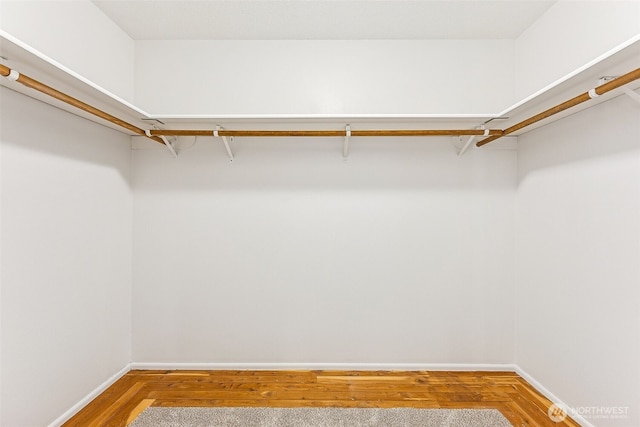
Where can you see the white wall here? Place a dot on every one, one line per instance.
(569, 35)
(76, 34)
(402, 254)
(66, 258)
(578, 258)
(324, 76)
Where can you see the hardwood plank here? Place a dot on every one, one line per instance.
(296, 403)
(144, 404)
(104, 400)
(499, 391)
(324, 379)
(126, 397)
(293, 395)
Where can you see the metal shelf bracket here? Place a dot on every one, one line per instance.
(224, 140)
(632, 94)
(167, 143)
(345, 145)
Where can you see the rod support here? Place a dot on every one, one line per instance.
(169, 146)
(345, 145)
(632, 94)
(216, 134)
(13, 76)
(467, 144)
(164, 139)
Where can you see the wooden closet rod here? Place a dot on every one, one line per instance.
(155, 134)
(326, 133)
(593, 93)
(60, 96)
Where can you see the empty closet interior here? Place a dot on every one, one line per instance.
(319, 184)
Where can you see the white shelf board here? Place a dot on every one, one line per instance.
(326, 121)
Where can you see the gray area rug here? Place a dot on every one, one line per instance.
(318, 417)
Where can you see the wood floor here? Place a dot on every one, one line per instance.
(119, 405)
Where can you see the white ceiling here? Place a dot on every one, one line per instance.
(323, 19)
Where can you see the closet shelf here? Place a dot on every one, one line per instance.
(18, 56)
(618, 61)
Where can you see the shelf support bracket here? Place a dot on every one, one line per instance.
(345, 145)
(627, 90)
(632, 94)
(224, 140)
(167, 143)
(467, 144)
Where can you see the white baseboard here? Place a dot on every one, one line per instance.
(88, 398)
(552, 397)
(325, 366)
